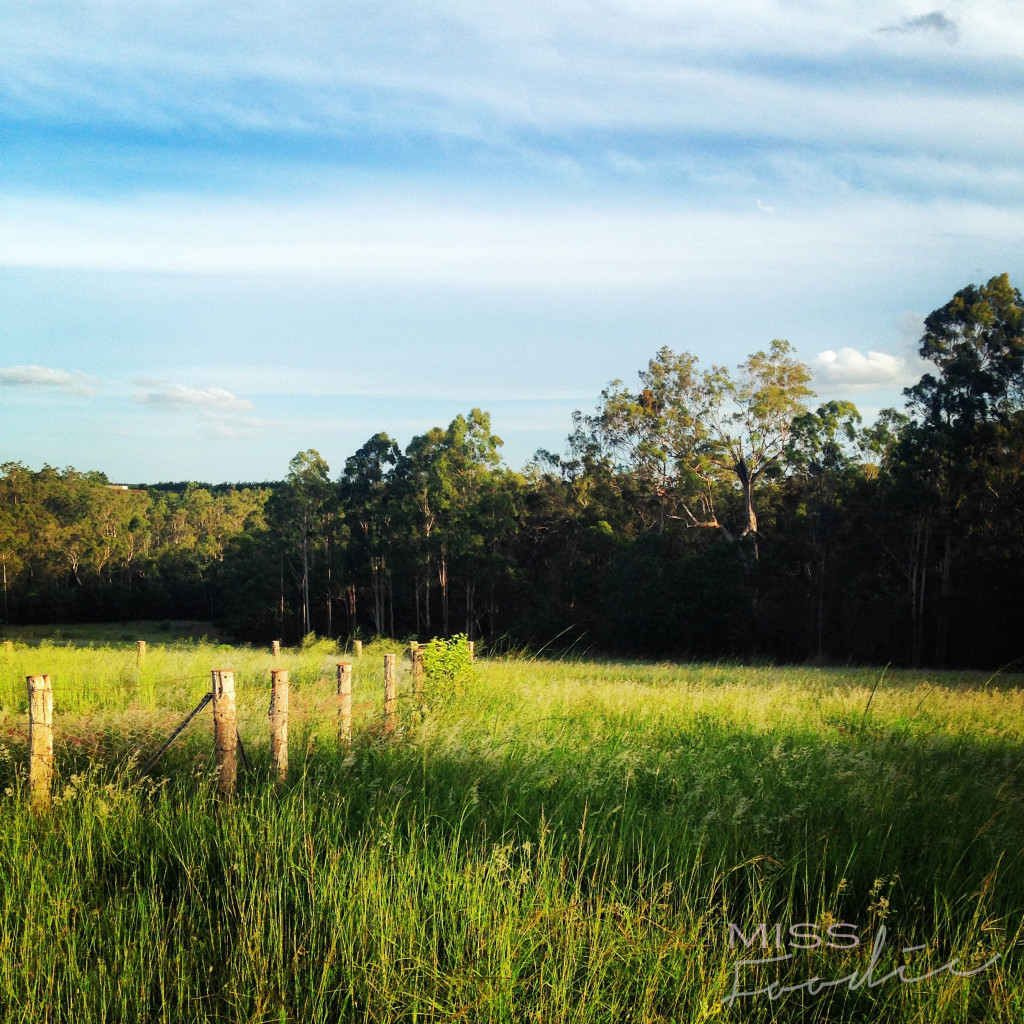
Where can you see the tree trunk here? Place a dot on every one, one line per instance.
(351, 606)
(442, 573)
(470, 596)
(945, 589)
(917, 578)
(330, 617)
(746, 480)
(391, 608)
(280, 613)
(305, 579)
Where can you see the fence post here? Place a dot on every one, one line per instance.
(275, 648)
(417, 680)
(357, 646)
(279, 721)
(40, 739)
(225, 732)
(390, 694)
(140, 651)
(8, 648)
(345, 703)
(472, 651)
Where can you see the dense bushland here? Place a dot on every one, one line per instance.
(702, 513)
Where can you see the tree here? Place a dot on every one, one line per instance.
(368, 505)
(300, 510)
(964, 420)
(976, 341)
(823, 454)
(685, 433)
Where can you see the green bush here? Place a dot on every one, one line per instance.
(448, 665)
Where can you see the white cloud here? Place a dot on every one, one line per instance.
(398, 238)
(176, 395)
(853, 369)
(45, 378)
(472, 70)
(221, 427)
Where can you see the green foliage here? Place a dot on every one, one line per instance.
(448, 665)
(687, 434)
(976, 341)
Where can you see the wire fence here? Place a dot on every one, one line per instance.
(133, 708)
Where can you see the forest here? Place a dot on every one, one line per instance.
(703, 512)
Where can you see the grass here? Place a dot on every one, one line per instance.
(563, 841)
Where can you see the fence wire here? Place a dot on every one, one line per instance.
(152, 715)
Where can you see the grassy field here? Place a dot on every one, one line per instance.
(562, 841)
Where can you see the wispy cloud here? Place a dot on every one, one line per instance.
(852, 369)
(46, 379)
(403, 240)
(178, 396)
(221, 427)
(445, 69)
(934, 21)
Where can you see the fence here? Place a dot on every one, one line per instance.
(232, 705)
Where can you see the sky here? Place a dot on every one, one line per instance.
(231, 232)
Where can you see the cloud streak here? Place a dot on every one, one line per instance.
(177, 396)
(405, 241)
(220, 427)
(446, 69)
(43, 378)
(934, 21)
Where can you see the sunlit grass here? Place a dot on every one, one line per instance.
(562, 841)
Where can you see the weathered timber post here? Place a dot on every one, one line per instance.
(417, 680)
(390, 694)
(275, 648)
(140, 651)
(472, 652)
(357, 646)
(8, 648)
(225, 732)
(279, 721)
(345, 703)
(40, 740)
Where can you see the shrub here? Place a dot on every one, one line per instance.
(448, 666)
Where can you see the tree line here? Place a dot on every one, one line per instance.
(703, 512)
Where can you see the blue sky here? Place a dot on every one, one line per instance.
(233, 231)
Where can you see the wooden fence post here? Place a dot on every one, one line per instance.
(279, 721)
(8, 648)
(390, 694)
(417, 680)
(140, 651)
(345, 703)
(225, 732)
(275, 648)
(472, 651)
(40, 740)
(357, 646)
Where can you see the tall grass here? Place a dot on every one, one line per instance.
(562, 842)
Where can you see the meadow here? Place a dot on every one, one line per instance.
(556, 840)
